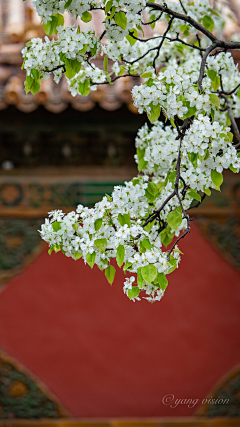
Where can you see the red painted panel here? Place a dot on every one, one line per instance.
(105, 356)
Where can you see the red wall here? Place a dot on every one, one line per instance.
(105, 356)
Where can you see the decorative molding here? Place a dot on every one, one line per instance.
(227, 389)
(24, 396)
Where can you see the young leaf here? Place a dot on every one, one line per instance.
(98, 224)
(121, 20)
(140, 279)
(174, 219)
(121, 219)
(131, 39)
(105, 62)
(56, 226)
(217, 178)
(134, 292)
(234, 170)
(77, 256)
(108, 6)
(127, 266)
(101, 244)
(195, 195)
(155, 112)
(120, 255)
(146, 244)
(149, 273)
(84, 87)
(127, 220)
(162, 280)
(110, 273)
(86, 16)
(152, 189)
(142, 164)
(214, 99)
(208, 23)
(207, 191)
(51, 26)
(90, 258)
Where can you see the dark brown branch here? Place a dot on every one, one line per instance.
(203, 63)
(191, 21)
(161, 43)
(231, 92)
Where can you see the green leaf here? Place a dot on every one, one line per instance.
(140, 279)
(149, 226)
(184, 29)
(110, 273)
(233, 169)
(149, 273)
(105, 62)
(121, 219)
(152, 189)
(191, 111)
(129, 37)
(146, 244)
(108, 6)
(155, 112)
(67, 4)
(98, 224)
(134, 292)
(90, 258)
(208, 23)
(214, 99)
(127, 219)
(173, 262)
(101, 244)
(146, 75)
(142, 164)
(84, 87)
(31, 85)
(72, 66)
(215, 85)
(150, 197)
(124, 219)
(230, 135)
(77, 256)
(127, 266)
(166, 236)
(174, 218)
(112, 13)
(193, 157)
(56, 226)
(50, 249)
(108, 197)
(212, 74)
(86, 16)
(140, 29)
(140, 153)
(207, 191)
(121, 20)
(51, 26)
(195, 195)
(120, 255)
(217, 178)
(162, 280)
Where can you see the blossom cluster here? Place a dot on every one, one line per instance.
(113, 229)
(206, 150)
(138, 222)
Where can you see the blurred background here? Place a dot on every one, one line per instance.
(72, 348)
